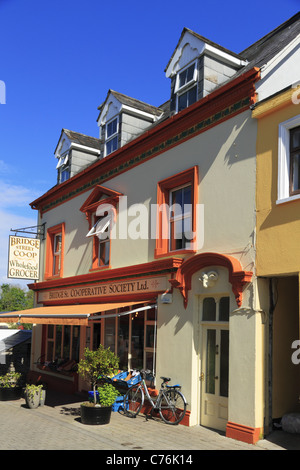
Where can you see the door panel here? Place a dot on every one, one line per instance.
(214, 389)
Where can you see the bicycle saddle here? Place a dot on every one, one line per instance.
(166, 379)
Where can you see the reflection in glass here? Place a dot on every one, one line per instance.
(58, 336)
(209, 309)
(210, 361)
(224, 309)
(137, 340)
(224, 366)
(109, 333)
(67, 340)
(150, 332)
(123, 341)
(96, 335)
(75, 343)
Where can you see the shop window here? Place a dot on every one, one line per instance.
(110, 333)
(177, 210)
(55, 251)
(123, 341)
(289, 160)
(62, 346)
(132, 337)
(96, 336)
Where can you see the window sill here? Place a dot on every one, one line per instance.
(173, 253)
(99, 268)
(51, 278)
(61, 373)
(288, 199)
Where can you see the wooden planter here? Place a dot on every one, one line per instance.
(95, 415)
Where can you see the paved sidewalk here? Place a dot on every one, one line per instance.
(57, 426)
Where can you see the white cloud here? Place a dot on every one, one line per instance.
(12, 195)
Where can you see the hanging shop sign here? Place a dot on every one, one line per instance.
(126, 287)
(23, 258)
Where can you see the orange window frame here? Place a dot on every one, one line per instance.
(96, 247)
(51, 254)
(164, 187)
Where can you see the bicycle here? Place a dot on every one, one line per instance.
(170, 402)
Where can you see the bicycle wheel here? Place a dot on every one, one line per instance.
(133, 401)
(172, 407)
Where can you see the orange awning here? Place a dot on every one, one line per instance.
(62, 314)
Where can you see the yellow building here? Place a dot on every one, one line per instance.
(278, 235)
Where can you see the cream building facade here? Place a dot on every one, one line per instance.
(191, 303)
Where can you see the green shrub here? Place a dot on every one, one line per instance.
(107, 394)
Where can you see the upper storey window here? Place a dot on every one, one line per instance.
(186, 87)
(111, 137)
(63, 168)
(295, 160)
(55, 251)
(289, 160)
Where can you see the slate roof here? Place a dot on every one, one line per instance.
(259, 53)
(207, 41)
(133, 103)
(82, 139)
(268, 46)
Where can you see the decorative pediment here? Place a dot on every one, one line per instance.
(237, 276)
(98, 197)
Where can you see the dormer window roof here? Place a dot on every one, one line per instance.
(197, 66)
(122, 118)
(74, 151)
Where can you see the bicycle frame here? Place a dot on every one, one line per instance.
(161, 394)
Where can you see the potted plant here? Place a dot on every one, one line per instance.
(32, 394)
(10, 385)
(94, 365)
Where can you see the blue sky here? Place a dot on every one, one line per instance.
(58, 59)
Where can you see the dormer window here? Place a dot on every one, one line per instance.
(187, 76)
(186, 87)
(63, 168)
(111, 137)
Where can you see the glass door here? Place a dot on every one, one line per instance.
(215, 365)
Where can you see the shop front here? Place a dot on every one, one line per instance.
(74, 314)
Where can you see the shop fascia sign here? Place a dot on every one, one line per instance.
(114, 288)
(23, 258)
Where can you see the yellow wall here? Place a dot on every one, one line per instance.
(278, 253)
(278, 225)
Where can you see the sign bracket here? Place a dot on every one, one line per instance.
(39, 230)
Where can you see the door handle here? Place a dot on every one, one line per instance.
(216, 377)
